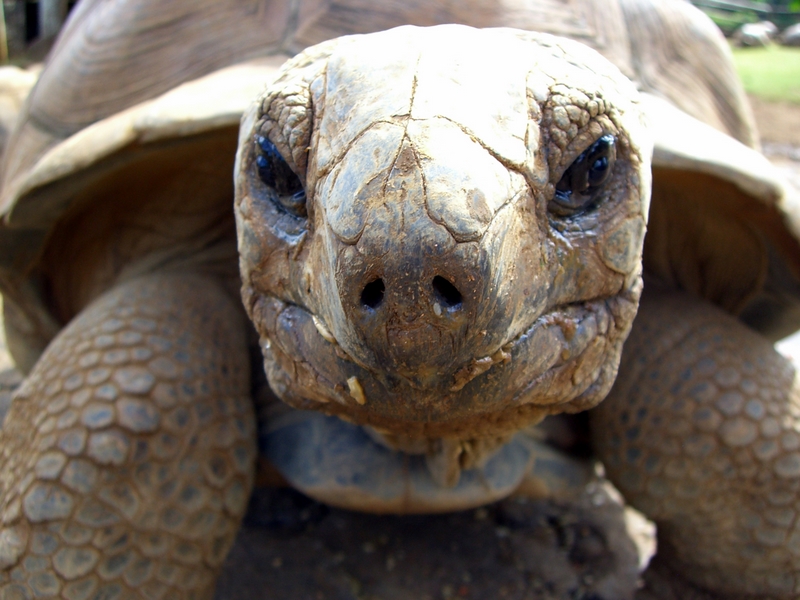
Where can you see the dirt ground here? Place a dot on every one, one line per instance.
(779, 126)
(778, 122)
(583, 548)
(296, 548)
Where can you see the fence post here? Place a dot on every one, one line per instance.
(3, 36)
(52, 14)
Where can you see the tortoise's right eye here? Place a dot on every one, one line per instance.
(276, 174)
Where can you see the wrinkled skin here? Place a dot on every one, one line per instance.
(432, 285)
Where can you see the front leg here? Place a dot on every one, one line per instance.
(128, 453)
(702, 433)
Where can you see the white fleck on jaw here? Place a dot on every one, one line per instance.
(356, 391)
(323, 330)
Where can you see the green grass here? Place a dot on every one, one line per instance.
(772, 73)
(730, 21)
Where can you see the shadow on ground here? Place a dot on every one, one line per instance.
(515, 549)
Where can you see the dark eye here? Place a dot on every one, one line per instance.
(580, 186)
(276, 175)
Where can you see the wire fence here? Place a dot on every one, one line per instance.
(26, 24)
(730, 14)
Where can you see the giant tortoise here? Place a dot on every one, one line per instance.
(440, 238)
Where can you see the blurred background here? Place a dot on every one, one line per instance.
(27, 27)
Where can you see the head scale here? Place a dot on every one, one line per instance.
(463, 253)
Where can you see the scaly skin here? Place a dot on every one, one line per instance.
(128, 453)
(700, 432)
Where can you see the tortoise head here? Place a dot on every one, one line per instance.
(440, 230)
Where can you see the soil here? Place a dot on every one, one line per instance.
(297, 548)
(779, 126)
(778, 122)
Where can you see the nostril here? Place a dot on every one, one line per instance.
(446, 293)
(372, 294)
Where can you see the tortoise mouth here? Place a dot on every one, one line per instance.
(555, 362)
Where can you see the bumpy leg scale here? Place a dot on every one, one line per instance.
(702, 433)
(127, 457)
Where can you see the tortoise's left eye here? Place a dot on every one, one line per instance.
(276, 174)
(580, 186)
